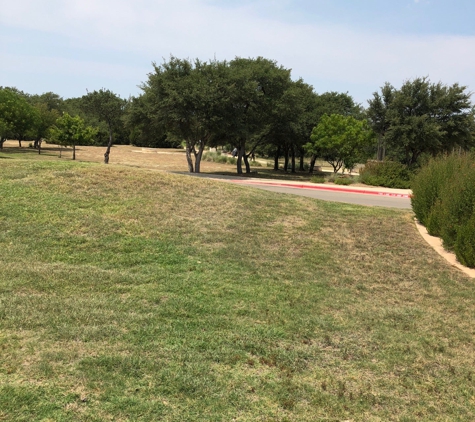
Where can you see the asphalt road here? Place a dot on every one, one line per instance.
(346, 197)
(358, 198)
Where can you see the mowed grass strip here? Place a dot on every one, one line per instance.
(131, 295)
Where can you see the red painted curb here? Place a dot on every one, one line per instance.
(328, 188)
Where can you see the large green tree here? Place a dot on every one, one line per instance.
(17, 117)
(425, 117)
(256, 87)
(340, 140)
(292, 121)
(108, 108)
(329, 103)
(187, 99)
(377, 113)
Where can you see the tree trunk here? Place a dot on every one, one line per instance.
(198, 157)
(286, 159)
(60, 150)
(276, 159)
(189, 158)
(108, 150)
(246, 163)
(241, 153)
(39, 146)
(312, 163)
(2, 140)
(19, 142)
(380, 155)
(74, 151)
(239, 161)
(293, 159)
(301, 164)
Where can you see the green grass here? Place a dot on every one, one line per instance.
(131, 295)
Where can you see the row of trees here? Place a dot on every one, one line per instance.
(255, 106)
(250, 104)
(97, 117)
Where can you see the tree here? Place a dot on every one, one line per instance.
(429, 118)
(377, 113)
(51, 100)
(71, 131)
(46, 118)
(143, 129)
(256, 87)
(291, 124)
(108, 108)
(17, 116)
(330, 103)
(187, 100)
(340, 140)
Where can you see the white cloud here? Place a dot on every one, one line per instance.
(151, 29)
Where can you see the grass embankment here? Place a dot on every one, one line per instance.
(132, 295)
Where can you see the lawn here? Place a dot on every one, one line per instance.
(128, 294)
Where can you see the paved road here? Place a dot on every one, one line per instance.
(346, 197)
(369, 196)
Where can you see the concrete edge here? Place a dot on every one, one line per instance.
(436, 244)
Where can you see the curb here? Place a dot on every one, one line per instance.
(327, 188)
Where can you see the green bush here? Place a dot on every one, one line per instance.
(344, 181)
(428, 185)
(215, 157)
(390, 174)
(458, 201)
(435, 219)
(444, 201)
(465, 243)
(317, 179)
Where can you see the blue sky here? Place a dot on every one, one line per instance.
(68, 46)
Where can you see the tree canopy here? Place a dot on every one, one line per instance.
(340, 140)
(422, 117)
(71, 131)
(107, 107)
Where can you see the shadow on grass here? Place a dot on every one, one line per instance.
(259, 173)
(50, 151)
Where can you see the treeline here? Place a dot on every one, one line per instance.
(255, 106)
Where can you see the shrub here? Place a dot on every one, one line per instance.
(317, 179)
(457, 201)
(390, 174)
(435, 219)
(444, 201)
(465, 243)
(344, 181)
(427, 186)
(215, 157)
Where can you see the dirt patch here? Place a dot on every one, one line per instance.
(157, 159)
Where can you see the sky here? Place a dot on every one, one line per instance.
(73, 46)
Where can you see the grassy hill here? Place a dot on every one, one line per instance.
(128, 294)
